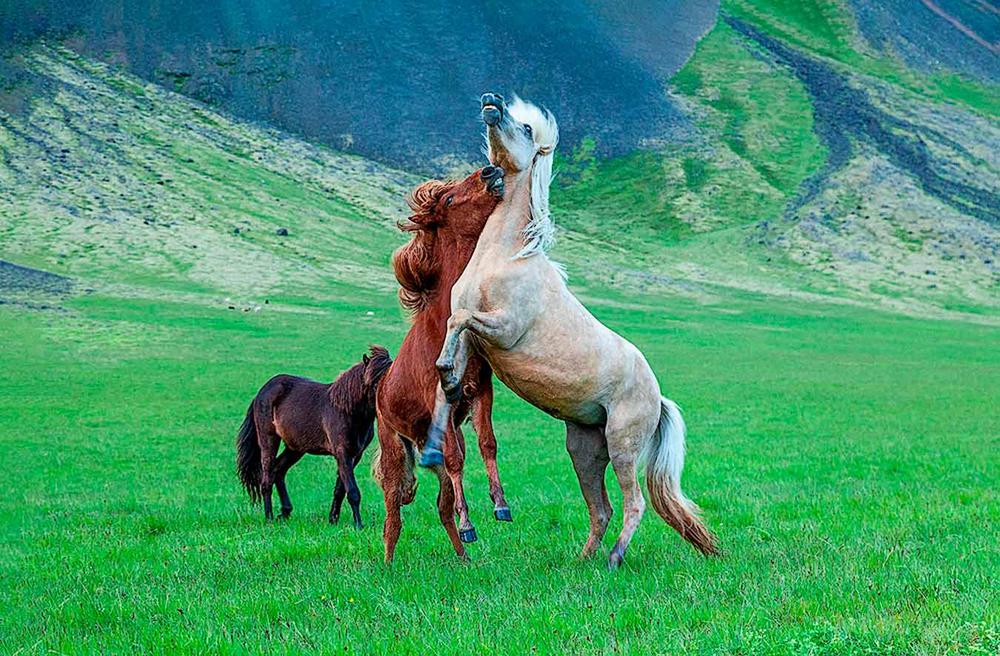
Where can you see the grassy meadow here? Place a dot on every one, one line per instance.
(847, 457)
(847, 460)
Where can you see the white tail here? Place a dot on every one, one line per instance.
(664, 464)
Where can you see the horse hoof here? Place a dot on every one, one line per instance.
(431, 457)
(468, 535)
(503, 514)
(615, 560)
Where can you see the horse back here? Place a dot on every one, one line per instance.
(297, 409)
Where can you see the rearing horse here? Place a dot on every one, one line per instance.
(512, 305)
(447, 219)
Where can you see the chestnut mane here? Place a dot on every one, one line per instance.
(415, 264)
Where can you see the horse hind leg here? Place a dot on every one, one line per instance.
(454, 447)
(281, 466)
(269, 441)
(390, 472)
(625, 432)
(446, 511)
(589, 452)
(482, 421)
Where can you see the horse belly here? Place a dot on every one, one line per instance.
(564, 392)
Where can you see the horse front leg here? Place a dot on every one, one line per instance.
(454, 464)
(482, 422)
(432, 455)
(500, 329)
(454, 358)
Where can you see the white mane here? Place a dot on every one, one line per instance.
(540, 231)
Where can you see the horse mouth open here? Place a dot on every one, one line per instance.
(492, 108)
(493, 177)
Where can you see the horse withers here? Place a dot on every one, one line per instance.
(335, 419)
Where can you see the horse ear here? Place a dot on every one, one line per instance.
(365, 359)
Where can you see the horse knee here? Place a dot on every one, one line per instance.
(354, 496)
(458, 320)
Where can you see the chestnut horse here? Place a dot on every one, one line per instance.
(511, 305)
(446, 222)
(309, 417)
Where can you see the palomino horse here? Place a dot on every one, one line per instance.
(512, 305)
(447, 220)
(309, 417)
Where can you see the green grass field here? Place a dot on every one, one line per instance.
(847, 460)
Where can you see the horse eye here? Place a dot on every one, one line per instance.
(527, 128)
(447, 201)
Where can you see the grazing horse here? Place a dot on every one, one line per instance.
(446, 222)
(512, 305)
(309, 417)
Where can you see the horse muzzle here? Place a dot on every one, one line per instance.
(493, 177)
(493, 108)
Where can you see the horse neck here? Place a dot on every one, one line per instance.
(452, 252)
(504, 231)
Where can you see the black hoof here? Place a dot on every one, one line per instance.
(468, 535)
(334, 519)
(431, 457)
(503, 514)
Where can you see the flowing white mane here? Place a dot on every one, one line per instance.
(539, 233)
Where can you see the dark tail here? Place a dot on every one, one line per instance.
(248, 456)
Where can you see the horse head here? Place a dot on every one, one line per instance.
(521, 138)
(518, 134)
(455, 210)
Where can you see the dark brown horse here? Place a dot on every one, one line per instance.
(310, 417)
(446, 222)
